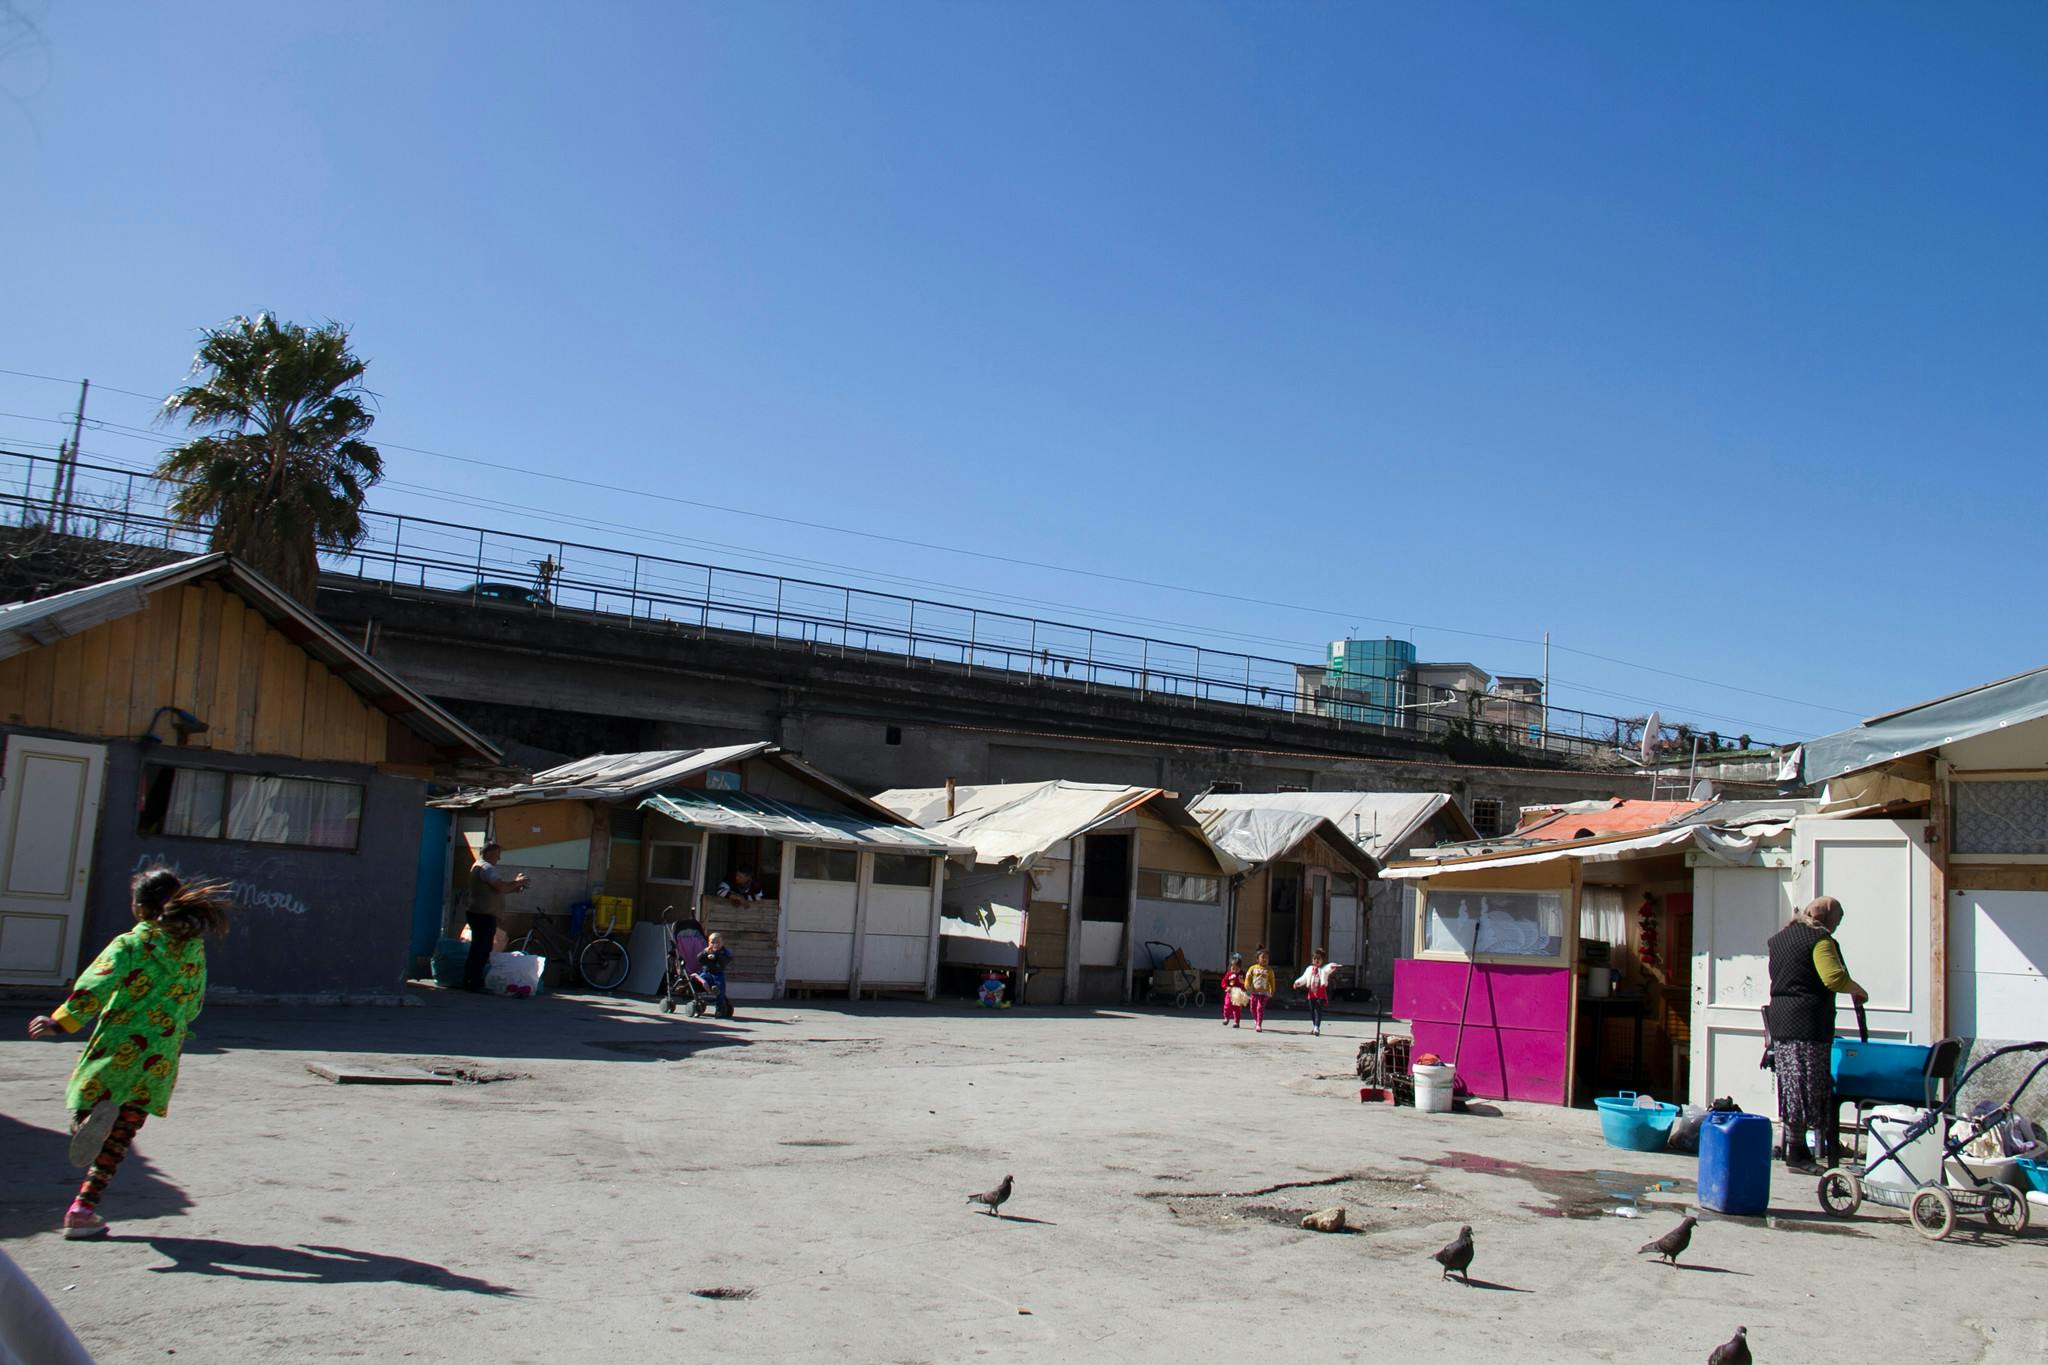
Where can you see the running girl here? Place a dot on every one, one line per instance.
(145, 988)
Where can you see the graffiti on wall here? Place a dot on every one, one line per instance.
(245, 885)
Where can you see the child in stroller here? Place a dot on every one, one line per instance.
(696, 972)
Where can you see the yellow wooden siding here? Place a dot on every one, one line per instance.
(201, 649)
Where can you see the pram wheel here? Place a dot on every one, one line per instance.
(1934, 1212)
(1180, 1000)
(2005, 1208)
(1201, 999)
(668, 1004)
(1841, 1194)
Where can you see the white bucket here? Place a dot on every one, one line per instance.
(1433, 1087)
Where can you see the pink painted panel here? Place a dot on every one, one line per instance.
(1501, 1063)
(1517, 1024)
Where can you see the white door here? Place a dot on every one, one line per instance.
(1997, 964)
(1735, 912)
(1879, 871)
(49, 812)
(1345, 940)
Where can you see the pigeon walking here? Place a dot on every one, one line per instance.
(1671, 1243)
(1734, 1351)
(994, 1198)
(1457, 1256)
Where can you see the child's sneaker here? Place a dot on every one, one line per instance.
(91, 1132)
(81, 1223)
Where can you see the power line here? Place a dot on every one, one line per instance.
(503, 467)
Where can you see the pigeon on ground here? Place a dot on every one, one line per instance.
(1734, 1351)
(994, 1198)
(1457, 1256)
(1671, 1243)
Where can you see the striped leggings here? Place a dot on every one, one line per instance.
(109, 1160)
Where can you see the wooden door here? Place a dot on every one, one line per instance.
(49, 815)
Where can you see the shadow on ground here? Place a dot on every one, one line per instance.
(41, 1181)
(315, 1265)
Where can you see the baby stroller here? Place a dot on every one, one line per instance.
(1922, 1165)
(1172, 978)
(685, 981)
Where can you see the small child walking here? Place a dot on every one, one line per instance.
(1315, 978)
(146, 988)
(1233, 992)
(1258, 984)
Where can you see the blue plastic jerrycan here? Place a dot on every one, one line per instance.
(1735, 1163)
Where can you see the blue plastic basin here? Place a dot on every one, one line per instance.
(2035, 1172)
(1894, 1073)
(1635, 1129)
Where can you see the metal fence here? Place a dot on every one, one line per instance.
(511, 570)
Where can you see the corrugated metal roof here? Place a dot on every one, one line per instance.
(1619, 817)
(607, 777)
(26, 625)
(1598, 849)
(741, 813)
(1929, 725)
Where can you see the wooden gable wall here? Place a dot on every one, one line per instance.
(201, 648)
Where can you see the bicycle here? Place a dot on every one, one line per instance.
(600, 959)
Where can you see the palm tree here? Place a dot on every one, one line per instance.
(282, 470)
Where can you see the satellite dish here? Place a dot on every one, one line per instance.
(1650, 728)
(1703, 790)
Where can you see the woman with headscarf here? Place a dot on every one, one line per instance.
(1806, 976)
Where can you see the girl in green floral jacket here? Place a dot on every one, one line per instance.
(143, 990)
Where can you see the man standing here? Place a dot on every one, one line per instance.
(488, 887)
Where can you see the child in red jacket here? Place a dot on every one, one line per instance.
(1233, 992)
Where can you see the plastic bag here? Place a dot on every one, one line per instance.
(1685, 1129)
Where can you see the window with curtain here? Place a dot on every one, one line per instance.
(1496, 923)
(257, 808)
(1603, 914)
(2000, 817)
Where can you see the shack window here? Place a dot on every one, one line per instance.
(903, 869)
(256, 808)
(667, 862)
(1496, 923)
(730, 853)
(1186, 886)
(826, 864)
(1486, 817)
(2001, 817)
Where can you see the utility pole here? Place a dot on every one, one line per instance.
(67, 471)
(1546, 692)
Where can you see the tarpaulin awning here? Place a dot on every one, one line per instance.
(1017, 823)
(1929, 725)
(606, 777)
(1384, 824)
(1258, 835)
(724, 812)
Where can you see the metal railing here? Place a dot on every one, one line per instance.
(511, 570)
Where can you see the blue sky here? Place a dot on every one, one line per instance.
(1704, 337)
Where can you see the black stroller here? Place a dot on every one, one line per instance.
(684, 980)
(1922, 1166)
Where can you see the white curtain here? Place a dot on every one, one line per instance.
(1603, 914)
(194, 806)
(285, 810)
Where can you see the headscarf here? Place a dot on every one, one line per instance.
(1822, 912)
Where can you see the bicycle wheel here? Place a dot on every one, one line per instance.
(603, 964)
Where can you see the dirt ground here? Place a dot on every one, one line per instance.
(791, 1186)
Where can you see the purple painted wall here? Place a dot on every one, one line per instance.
(1517, 1023)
